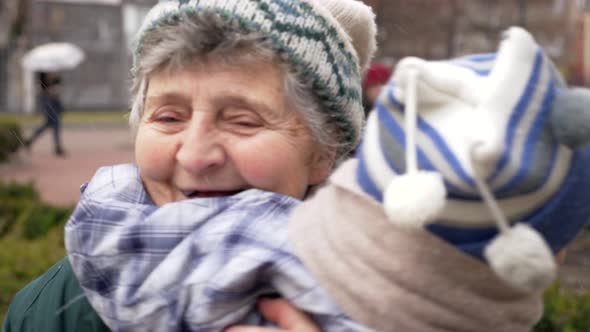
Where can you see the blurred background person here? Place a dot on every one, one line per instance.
(376, 77)
(50, 105)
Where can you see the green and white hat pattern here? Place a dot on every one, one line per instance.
(329, 43)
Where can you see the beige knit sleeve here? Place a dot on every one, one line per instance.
(395, 279)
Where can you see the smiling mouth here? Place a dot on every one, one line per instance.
(209, 193)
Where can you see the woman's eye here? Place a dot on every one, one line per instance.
(166, 116)
(245, 121)
(167, 119)
(241, 120)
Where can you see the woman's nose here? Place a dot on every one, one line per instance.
(200, 150)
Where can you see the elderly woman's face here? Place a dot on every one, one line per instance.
(216, 130)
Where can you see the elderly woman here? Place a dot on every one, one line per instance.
(241, 108)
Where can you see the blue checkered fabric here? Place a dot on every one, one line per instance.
(193, 265)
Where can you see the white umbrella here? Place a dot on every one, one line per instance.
(53, 57)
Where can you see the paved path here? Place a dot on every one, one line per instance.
(58, 180)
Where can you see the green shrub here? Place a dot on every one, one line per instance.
(40, 218)
(10, 139)
(9, 213)
(17, 191)
(15, 199)
(31, 238)
(19, 203)
(22, 260)
(565, 311)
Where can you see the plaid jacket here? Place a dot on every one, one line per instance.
(195, 265)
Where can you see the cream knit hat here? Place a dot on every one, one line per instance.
(329, 43)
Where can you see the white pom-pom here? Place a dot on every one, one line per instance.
(414, 199)
(522, 259)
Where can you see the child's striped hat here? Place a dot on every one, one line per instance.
(484, 133)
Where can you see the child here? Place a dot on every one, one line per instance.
(468, 166)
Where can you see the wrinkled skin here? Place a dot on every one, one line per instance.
(212, 130)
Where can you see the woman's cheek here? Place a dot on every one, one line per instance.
(259, 173)
(154, 160)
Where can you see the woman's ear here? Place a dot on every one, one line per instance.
(322, 165)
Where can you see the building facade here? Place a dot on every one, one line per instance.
(432, 29)
(437, 29)
(102, 28)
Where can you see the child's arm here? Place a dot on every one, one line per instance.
(408, 238)
(393, 278)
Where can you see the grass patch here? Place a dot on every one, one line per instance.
(23, 260)
(565, 311)
(31, 238)
(10, 139)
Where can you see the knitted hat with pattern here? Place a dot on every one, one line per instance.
(328, 43)
(481, 143)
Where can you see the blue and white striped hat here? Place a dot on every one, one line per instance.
(484, 133)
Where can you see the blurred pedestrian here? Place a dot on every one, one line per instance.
(376, 77)
(50, 105)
